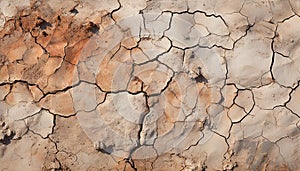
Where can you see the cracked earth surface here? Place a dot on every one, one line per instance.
(149, 85)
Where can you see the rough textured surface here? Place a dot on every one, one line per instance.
(149, 85)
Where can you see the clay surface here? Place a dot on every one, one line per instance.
(149, 85)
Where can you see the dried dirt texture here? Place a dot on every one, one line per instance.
(149, 85)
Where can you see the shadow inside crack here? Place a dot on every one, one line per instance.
(201, 79)
(43, 24)
(107, 149)
(94, 28)
(7, 139)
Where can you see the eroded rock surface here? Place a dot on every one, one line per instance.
(149, 85)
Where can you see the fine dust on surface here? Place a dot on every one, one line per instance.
(149, 85)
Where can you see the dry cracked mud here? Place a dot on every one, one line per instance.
(149, 85)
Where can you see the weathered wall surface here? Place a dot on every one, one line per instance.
(149, 85)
